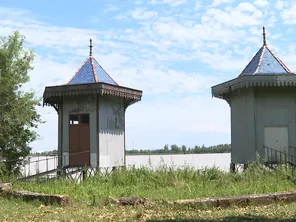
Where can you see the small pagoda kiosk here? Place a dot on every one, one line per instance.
(262, 101)
(91, 117)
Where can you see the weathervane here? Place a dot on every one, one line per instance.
(264, 36)
(90, 47)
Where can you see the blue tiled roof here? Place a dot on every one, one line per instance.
(91, 72)
(265, 62)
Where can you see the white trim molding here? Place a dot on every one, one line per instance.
(65, 159)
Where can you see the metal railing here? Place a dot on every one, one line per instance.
(43, 164)
(274, 156)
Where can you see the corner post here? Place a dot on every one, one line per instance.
(232, 167)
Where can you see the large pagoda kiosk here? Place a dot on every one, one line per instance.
(91, 117)
(262, 101)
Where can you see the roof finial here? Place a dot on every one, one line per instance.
(90, 47)
(264, 36)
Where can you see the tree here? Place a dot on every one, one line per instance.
(184, 148)
(18, 114)
(166, 148)
(175, 148)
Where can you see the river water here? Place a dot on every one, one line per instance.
(197, 161)
(220, 160)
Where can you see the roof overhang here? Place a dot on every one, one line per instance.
(223, 90)
(52, 94)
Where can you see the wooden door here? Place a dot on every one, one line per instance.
(79, 140)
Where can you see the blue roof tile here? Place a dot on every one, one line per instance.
(253, 64)
(102, 75)
(265, 62)
(91, 72)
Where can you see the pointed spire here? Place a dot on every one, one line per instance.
(264, 36)
(90, 47)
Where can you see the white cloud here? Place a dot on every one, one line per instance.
(289, 15)
(154, 81)
(140, 13)
(271, 21)
(289, 30)
(195, 33)
(111, 8)
(246, 6)
(161, 34)
(151, 54)
(48, 36)
(120, 16)
(47, 131)
(245, 14)
(138, 2)
(50, 72)
(279, 4)
(261, 3)
(219, 2)
(14, 14)
(225, 61)
(149, 77)
(197, 6)
(289, 59)
(170, 2)
(187, 114)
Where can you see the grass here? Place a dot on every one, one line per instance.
(163, 184)
(16, 210)
(167, 183)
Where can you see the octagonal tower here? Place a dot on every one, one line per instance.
(262, 101)
(91, 117)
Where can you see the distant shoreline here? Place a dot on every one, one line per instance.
(142, 154)
(166, 154)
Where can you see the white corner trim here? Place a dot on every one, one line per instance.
(93, 159)
(65, 159)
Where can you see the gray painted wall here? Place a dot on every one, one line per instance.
(76, 105)
(111, 113)
(111, 131)
(108, 116)
(276, 108)
(242, 126)
(251, 111)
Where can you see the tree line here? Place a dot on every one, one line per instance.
(175, 149)
(45, 153)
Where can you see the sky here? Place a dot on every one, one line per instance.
(173, 50)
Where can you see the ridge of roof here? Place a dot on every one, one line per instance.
(105, 72)
(94, 70)
(91, 72)
(279, 60)
(265, 62)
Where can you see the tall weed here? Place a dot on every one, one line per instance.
(168, 183)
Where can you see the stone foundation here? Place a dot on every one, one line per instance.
(223, 202)
(48, 199)
(241, 201)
